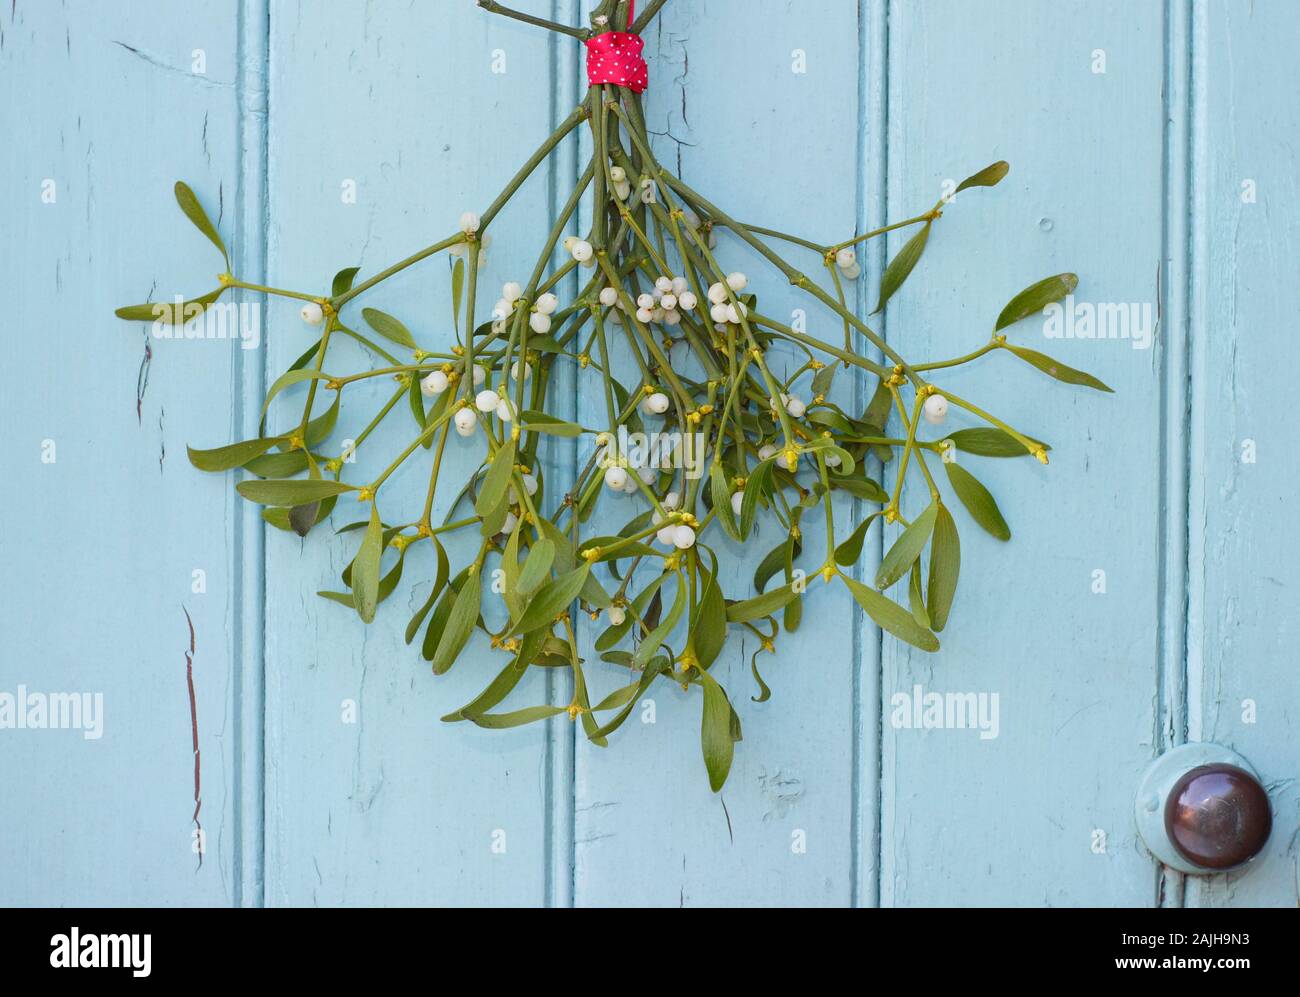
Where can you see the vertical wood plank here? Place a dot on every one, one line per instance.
(1243, 570)
(1020, 819)
(397, 808)
(101, 544)
(779, 149)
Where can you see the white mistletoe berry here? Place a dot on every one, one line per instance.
(547, 303)
(673, 317)
(616, 615)
(480, 375)
(795, 406)
(845, 258)
(853, 272)
(737, 500)
(514, 371)
(680, 284)
(505, 410)
(530, 486)
(664, 284)
(717, 293)
(511, 292)
(469, 223)
(433, 383)
(617, 174)
(312, 313)
(655, 404)
(686, 300)
(683, 537)
(737, 281)
(582, 251)
(719, 313)
(669, 301)
(645, 301)
(832, 459)
(509, 523)
(767, 451)
(644, 315)
(735, 312)
(608, 296)
(936, 409)
(486, 400)
(616, 478)
(665, 535)
(539, 323)
(465, 422)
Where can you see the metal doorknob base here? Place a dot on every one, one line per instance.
(1202, 809)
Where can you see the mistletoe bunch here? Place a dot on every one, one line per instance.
(723, 438)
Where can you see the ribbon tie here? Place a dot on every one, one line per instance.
(615, 57)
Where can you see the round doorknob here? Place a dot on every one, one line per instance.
(1202, 809)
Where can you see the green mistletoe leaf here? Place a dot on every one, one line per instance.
(906, 549)
(388, 327)
(945, 565)
(978, 502)
(891, 617)
(195, 213)
(1056, 369)
(1036, 297)
(901, 265)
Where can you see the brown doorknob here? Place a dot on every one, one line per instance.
(1201, 809)
(1217, 816)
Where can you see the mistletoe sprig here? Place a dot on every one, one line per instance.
(767, 444)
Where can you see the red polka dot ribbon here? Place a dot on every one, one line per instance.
(615, 57)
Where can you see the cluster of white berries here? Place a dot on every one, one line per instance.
(847, 260)
(581, 250)
(539, 318)
(622, 186)
(469, 223)
(721, 309)
(666, 301)
(793, 405)
(618, 479)
(677, 535)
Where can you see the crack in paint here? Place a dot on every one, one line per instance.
(194, 733)
(142, 377)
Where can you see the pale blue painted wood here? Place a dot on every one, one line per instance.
(397, 808)
(1243, 569)
(1013, 820)
(728, 127)
(100, 545)
(1111, 173)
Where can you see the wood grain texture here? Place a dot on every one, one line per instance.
(397, 808)
(1133, 177)
(1018, 819)
(1243, 575)
(792, 779)
(100, 544)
